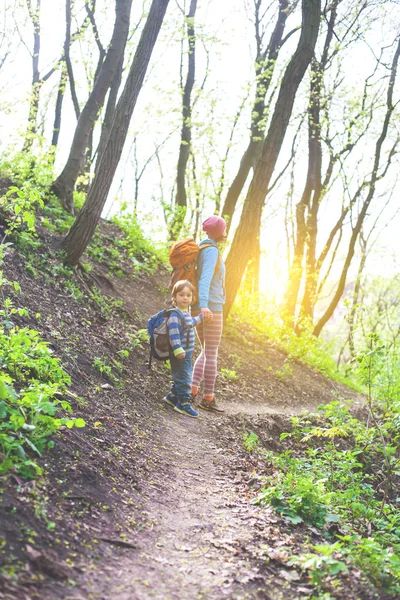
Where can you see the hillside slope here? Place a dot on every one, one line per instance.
(145, 503)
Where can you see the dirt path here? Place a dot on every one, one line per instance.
(198, 523)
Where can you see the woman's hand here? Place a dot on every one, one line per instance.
(207, 314)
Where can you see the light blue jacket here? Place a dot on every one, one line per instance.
(211, 287)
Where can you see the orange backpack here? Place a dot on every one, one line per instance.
(183, 260)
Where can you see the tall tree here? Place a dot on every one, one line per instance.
(367, 187)
(245, 242)
(69, 39)
(37, 80)
(307, 207)
(266, 56)
(186, 132)
(85, 224)
(64, 185)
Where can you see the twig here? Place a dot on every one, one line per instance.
(118, 542)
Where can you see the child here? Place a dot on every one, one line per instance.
(181, 334)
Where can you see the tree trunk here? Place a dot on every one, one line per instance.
(110, 109)
(356, 296)
(265, 65)
(371, 185)
(311, 195)
(67, 45)
(36, 82)
(63, 186)
(244, 246)
(186, 133)
(82, 230)
(307, 208)
(59, 103)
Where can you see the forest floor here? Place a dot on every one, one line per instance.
(148, 503)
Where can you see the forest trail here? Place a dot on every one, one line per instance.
(178, 490)
(198, 541)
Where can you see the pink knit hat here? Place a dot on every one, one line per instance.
(214, 226)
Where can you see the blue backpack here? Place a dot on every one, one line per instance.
(158, 331)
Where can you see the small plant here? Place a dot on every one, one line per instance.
(103, 368)
(229, 374)
(286, 371)
(322, 563)
(138, 339)
(19, 205)
(250, 441)
(28, 414)
(237, 361)
(106, 369)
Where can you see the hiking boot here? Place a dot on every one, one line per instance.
(186, 409)
(210, 405)
(171, 399)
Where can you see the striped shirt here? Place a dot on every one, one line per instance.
(181, 331)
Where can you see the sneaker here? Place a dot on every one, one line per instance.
(170, 399)
(210, 405)
(186, 409)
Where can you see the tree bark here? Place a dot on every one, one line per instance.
(84, 226)
(244, 245)
(36, 85)
(307, 207)
(59, 103)
(186, 133)
(64, 185)
(67, 45)
(110, 108)
(264, 65)
(371, 186)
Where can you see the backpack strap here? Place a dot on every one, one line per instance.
(208, 245)
(182, 318)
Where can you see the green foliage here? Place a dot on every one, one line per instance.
(263, 325)
(32, 381)
(25, 169)
(31, 384)
(106, 304)
(104, 367)
(145, 255)
(18, 206)
(250, 441)
(342, 473)
(229, 374)
(322, 563)
(55, 218)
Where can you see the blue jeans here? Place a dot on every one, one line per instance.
(181, 385)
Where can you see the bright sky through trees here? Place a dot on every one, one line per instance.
(225, 32)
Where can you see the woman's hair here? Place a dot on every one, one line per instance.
(179, 286)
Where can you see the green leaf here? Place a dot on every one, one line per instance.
(32, 446)
(295, 519)
(331, 518)
(4, 393)
(3, 410)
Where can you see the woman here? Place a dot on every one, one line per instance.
(211, 299)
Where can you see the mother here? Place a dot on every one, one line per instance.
(211, 299)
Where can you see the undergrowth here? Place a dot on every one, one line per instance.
(341, 474)
(262, 324)
(32, 381)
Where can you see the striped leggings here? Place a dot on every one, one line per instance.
(206, 363)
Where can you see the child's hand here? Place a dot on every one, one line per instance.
(181, 356)
(207, 314)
